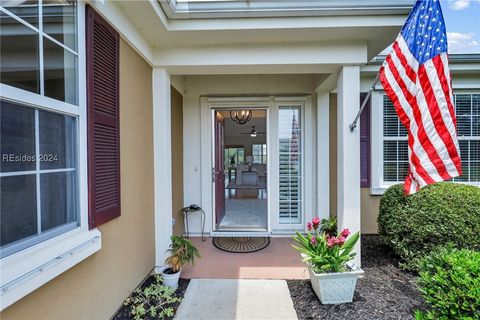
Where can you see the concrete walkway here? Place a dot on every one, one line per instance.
(226, 299)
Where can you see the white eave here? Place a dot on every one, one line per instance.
(466, 63)
(174, 9)
(185, 45)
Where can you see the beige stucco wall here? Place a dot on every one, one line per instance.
(369, 203)
(177, 160)
(96, 287)
(369, 208)
(333, 153)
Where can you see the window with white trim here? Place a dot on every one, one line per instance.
(39, 136)
(392, 155)
(467, 106)
(395, 144)
(259, 152)
(233, 156)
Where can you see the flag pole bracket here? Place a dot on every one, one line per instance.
(353, 125)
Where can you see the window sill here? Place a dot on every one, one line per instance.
(27, 270)
(378, 191)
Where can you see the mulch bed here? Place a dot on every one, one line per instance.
(385, 292)
(124, 312)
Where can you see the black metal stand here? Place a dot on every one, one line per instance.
(186, 213)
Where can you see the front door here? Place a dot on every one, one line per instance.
(219, 168)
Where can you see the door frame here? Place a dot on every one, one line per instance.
(240, 105)
(218, 175)
(270, 104)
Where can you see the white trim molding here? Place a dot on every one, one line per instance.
(348, 153)
(271, 104)
(29, 269)
(175, 10)
(162, 147)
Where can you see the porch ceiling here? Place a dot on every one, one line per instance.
(376, 31)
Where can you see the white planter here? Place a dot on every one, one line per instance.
(335, 288)
(170, 280)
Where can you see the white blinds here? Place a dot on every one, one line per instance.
(290, 165)
(395, 145)
(468, 126)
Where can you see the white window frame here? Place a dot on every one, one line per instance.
(30, 268)
(378, 185)
(290, 223)
(463, 138)
(236, 154)
(262, 155)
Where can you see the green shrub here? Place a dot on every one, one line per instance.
(450, 284)
(154, 301)
(436, 215)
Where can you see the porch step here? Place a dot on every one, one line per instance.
(229, 299)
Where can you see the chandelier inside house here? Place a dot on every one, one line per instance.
(241, 116)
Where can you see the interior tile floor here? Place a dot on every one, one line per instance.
(245, 207)
(277, 261)
(245, 213)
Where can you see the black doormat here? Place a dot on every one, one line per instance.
(241, 244)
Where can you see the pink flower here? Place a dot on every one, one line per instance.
(340, 241)
(309, 226)
(315, 222)
(345, 232)
(313, 240)
(331, 241)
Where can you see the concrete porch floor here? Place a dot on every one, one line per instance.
(278, 261)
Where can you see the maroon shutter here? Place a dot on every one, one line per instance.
(365, 143)
(103, 120)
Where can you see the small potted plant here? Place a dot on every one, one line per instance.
(182, 251)
(328, 257)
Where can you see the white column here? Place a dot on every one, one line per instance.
(162, 163)
(348, 172)
(323, 155)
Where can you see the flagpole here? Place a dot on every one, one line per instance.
(353, 125)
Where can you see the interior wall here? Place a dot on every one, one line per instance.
(246, 141)
(233, 131)
(96, 287)
(225, 85)
(177, 160)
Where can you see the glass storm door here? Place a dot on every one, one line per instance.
(219, 168)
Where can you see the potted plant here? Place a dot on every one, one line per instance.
(182, 251)
(328, 257)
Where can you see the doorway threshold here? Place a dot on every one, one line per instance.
(240, 233)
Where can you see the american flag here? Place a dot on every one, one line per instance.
(416, 78)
